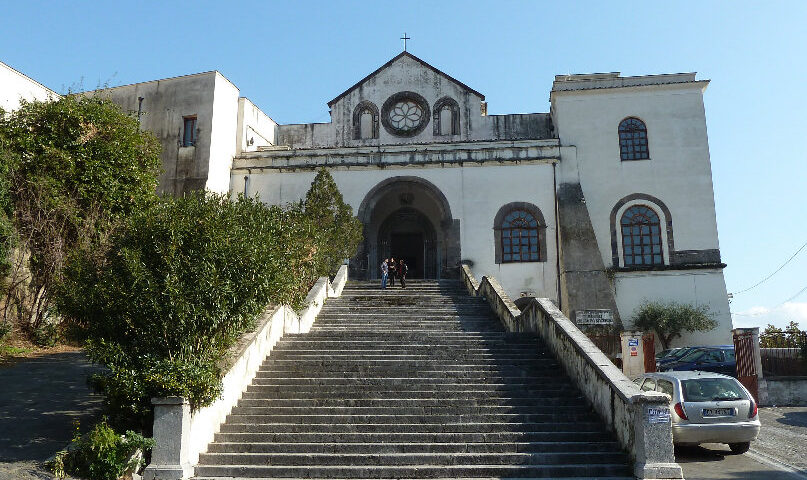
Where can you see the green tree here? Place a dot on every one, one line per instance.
(337, 231)
(670, 319)
(72, 169)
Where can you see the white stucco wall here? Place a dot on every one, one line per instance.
(701, 287)
(14, 86)
(165, 103)
(678, 173)
(470, 198)
(255, 128)
(223, 134)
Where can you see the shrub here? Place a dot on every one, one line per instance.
(178, 286)
(337, 231)
(70, 169)
(670, 319)
(102, 454)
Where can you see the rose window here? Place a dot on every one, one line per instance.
(406, 115)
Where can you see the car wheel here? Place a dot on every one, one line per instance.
(739, 448)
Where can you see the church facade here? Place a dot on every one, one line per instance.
(602, 203)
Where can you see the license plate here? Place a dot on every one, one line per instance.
(718, 412)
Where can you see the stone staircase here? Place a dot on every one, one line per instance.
(415, 383)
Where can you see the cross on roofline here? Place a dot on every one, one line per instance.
(405, 38)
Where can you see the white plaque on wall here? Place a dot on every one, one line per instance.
(593, 317)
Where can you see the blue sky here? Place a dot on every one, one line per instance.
(290, 58)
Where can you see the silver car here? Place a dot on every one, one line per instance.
(707, 407)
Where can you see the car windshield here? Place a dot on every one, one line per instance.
(693, 355)
(711, 389)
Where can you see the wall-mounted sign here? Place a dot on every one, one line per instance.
(658, 415)
(593, 317)
(633, 342)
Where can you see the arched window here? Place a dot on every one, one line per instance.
(633, 139)
(641, 237)
(365, 121)
(446, 117)
(520, 234)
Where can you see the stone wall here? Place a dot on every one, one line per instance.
(786, 391)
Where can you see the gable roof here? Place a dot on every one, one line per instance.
(401, 55)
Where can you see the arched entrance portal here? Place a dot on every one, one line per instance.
(408, 234)
(408, 217)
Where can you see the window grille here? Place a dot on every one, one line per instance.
(641, 237)
(633, 140)
(520, 237)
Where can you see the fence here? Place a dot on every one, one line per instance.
(784, 354)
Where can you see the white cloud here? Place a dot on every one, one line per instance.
(779, 316)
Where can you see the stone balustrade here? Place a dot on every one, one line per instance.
(640, 420)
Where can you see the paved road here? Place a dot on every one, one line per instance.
(780, 452)
(40, 398)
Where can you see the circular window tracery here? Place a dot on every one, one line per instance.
(405, 114)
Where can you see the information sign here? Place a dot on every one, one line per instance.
(593, 317)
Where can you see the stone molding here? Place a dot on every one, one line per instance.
(180, 434)
(502, 152)
(618, 401)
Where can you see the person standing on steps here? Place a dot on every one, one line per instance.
(392, 267)
(384, 272)
(402, 270)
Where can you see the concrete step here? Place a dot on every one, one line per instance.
(473, 391)
(411, 459)
(402, 404)
(420, 382)
(581, 415)
(410, 410)
(414, 471)
(458, 427)
(414, 447)
(597, 435)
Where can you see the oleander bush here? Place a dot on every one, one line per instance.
(181, 281)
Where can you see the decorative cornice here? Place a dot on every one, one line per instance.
(434, 154)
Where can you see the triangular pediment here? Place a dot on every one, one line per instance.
(404, 56)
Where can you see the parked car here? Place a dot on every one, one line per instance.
(707, 407)
(718, 359)
(671, 355)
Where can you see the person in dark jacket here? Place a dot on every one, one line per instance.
(392, 271)
(402, 270)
